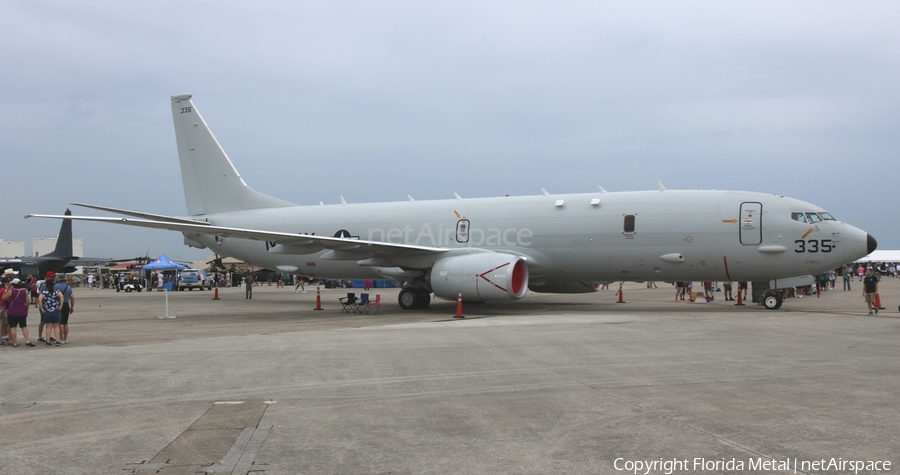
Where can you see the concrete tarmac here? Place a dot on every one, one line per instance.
(549, 384)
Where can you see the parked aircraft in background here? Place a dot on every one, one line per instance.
(60, 261)
(495, 249)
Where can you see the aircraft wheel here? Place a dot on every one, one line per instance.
(423, 298)
(408, 298)
(772, 301)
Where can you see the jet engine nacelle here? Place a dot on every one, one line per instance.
(573, 287)
(482, 277)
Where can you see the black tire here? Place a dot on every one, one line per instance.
(127, 289)
(408, 298)
(423, 298)
(772, 301)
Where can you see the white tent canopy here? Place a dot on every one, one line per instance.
(882, 256)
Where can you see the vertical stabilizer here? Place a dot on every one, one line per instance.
(64, 240)
(211, 183)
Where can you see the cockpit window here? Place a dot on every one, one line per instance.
(809, 217)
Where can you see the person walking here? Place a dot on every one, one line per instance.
(49, 303)
(709, 291)
(4, 327)
(848, 277)
(870, 288)
(34, 286)
(728, 295)
(742, 287)
(299, 284)
(67, 308)
(16, 297)
(248, 287)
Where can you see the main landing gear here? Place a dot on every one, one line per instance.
(772, 300)
(412, 298)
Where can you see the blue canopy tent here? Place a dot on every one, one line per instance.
(162, 264)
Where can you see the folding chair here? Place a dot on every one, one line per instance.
(360, 305)
(348, 302)
(373, 306)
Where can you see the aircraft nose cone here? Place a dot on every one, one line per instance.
(871, 243)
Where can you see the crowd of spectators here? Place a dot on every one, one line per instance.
(854, 272)
(53, 299)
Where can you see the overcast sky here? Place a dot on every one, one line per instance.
(377, 100)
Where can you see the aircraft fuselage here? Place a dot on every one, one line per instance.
(669, 235)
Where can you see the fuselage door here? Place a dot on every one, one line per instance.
(751, 223)
(462, 230)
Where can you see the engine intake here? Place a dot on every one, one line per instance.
(482, 277)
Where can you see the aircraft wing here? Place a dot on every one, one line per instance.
(140, 214)
(89, 262)
(96, 261)
(302, 243)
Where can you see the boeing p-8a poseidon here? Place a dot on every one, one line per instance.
(495, 249)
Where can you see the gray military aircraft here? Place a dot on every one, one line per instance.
(495, 249)
(60, 260)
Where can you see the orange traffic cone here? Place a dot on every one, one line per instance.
(878, 302)
(459, 306)
(318, 300)
(216, 295)
(740, 297)
(621, 294)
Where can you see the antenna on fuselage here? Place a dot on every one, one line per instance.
(545, 192)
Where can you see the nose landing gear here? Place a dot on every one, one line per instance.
(772, 301)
